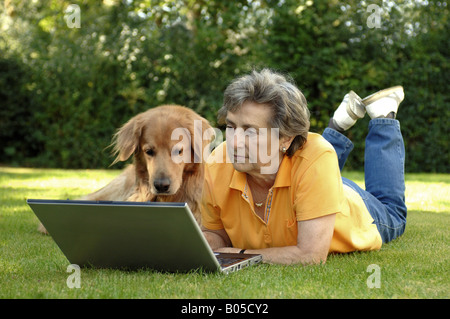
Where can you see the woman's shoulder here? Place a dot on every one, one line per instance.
(218, 163)
(314, 147)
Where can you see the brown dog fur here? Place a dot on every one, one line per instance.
(154, 176)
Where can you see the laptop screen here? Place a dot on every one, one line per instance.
(162, 236)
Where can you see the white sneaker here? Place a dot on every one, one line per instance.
(383, 102)
(350, 109)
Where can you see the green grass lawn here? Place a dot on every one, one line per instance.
(31, 265)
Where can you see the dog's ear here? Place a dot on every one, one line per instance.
(206, 138)
(199, 140)
(126, 139)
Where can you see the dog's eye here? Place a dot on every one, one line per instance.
(150, 152)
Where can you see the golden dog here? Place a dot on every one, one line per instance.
(167, 145)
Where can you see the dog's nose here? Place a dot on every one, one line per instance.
(162, 185)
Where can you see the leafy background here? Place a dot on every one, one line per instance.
(64, 91)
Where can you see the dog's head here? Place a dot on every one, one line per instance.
(167, 143)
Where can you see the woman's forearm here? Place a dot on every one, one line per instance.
(214, 240)
(288, 255)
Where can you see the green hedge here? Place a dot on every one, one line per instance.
(64, 92)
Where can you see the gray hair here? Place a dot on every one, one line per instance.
(290, 111)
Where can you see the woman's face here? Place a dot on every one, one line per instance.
(252, 145)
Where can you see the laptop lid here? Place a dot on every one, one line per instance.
(107, 234)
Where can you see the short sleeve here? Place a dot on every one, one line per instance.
(210, 212)
(319, 190)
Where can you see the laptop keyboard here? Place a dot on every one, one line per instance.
(227, 261)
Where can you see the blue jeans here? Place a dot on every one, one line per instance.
(384, 163)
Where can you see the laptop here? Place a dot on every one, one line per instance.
(133, 235)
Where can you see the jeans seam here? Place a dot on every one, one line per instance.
(399, 150)
(383, 121)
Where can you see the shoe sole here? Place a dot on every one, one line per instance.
(380, 94)
(355, 99)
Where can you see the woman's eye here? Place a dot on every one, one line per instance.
(177, 151)
(251, 131)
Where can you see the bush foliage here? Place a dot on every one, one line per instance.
(64, 91)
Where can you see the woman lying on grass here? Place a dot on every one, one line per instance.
(292, 206)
